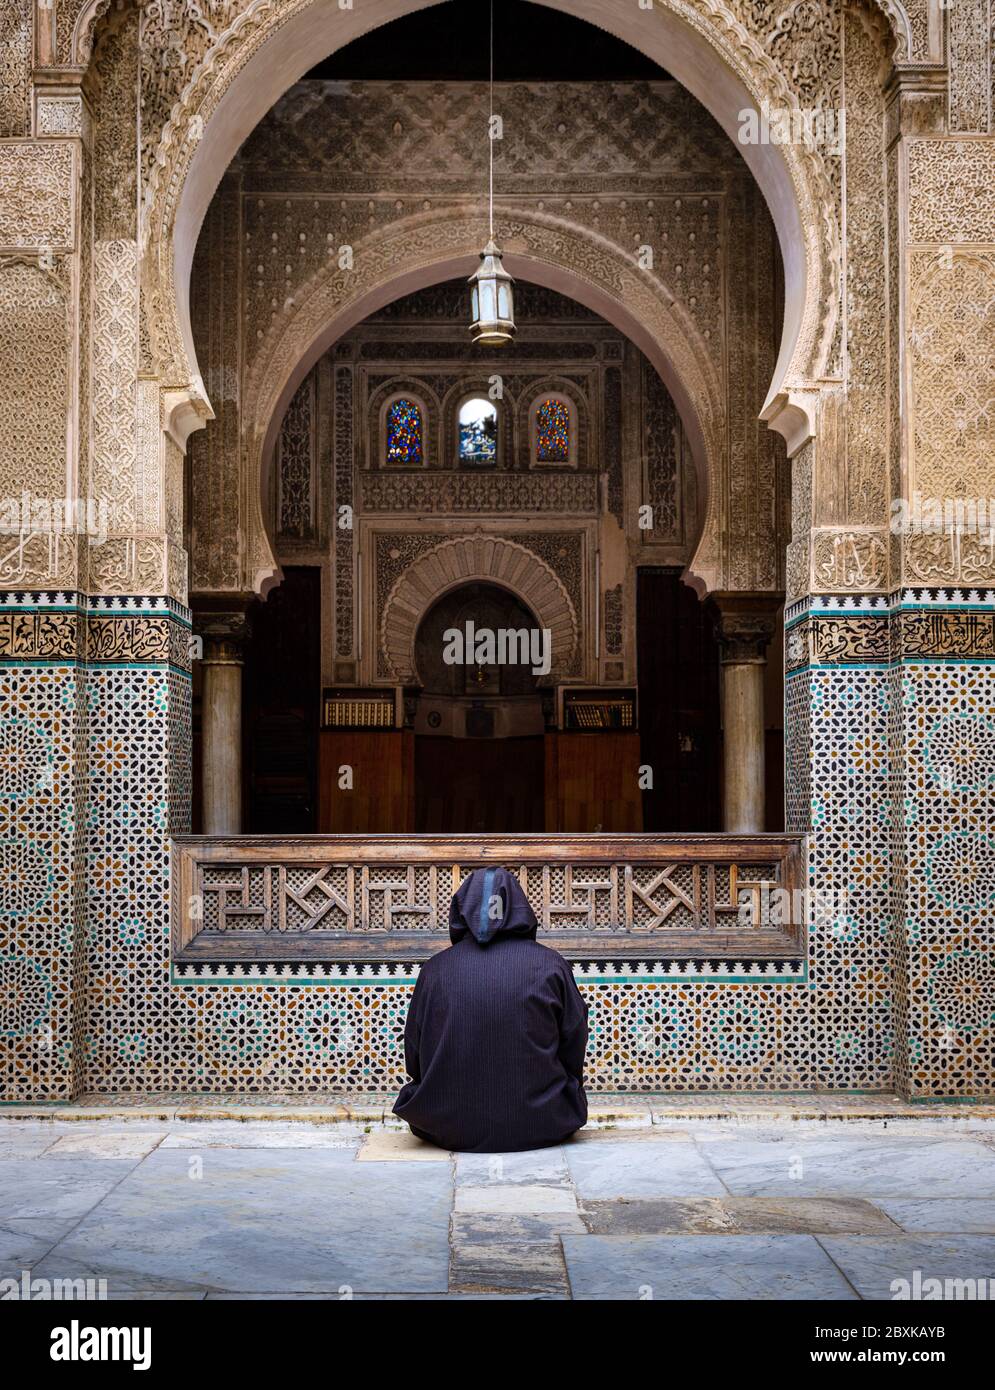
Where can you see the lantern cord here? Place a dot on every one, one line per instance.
(490, 130)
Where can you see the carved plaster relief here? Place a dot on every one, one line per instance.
(38, 207)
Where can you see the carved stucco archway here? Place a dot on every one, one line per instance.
(426, 249)
(467, 560)
(240, 68)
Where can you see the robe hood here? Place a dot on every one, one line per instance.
(491, 904)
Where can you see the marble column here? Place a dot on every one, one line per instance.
(221, 722)
(744, 627)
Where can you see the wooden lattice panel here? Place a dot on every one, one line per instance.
(350, 894)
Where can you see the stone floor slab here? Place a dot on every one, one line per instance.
(883, 1267)
(308, 1220)
(954, 1215)
(633, 1135)
(524, 1226)
(159, 1296)
(106, 1143)
(236, 1134)
(762, 1268)
(637, 1169)
(21, 1246)
(515, 1199)
(511, 1267)
(50, 1191)
(400, 1147)
(547, 1167)
(23, 1139)
(734, 1216)
(406, 1297)
(840, 1166)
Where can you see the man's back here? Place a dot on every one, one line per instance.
(496, 1031)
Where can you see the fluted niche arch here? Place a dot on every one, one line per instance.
(476, 559)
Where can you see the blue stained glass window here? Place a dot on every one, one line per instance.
(552, 427)
(404, 433)
(478, 431)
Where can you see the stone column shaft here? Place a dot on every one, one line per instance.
(221, 722)
(744, 629)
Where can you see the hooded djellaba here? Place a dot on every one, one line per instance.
(496, 1031)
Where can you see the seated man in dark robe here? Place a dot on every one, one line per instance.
(496, 1031)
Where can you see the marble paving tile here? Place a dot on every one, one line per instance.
(543, 1166)
(734, 1216)
(50, 1191)
(120, 1279)
(636, 1169)
(407, 1297)
(236, 1134)
(513, 1266)
(525, 1226)
(106, 1143)
(843, 1167)
(158, 1296)
(962, 1215)
(647, 1134)
(490, 1251)
(384, 1146)
(515, 1199)
(874, 1264)
(249, 1219)
(763, 1267)
(22, 1244)
(22, 1139)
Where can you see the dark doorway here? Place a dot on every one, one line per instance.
(281, 690)
(479, 753)
(678, 704)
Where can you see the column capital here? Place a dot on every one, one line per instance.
(916, 100)
(223, 627)
(744, 626)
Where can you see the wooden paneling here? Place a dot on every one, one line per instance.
(476, 785)
(592, 783)
(381, 800)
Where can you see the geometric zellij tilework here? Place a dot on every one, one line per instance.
(890, 742)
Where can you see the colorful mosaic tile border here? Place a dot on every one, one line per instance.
(890, 772)
(786, 971)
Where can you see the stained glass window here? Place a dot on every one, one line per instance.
(404, 433)
(478, 431)
(552, 431)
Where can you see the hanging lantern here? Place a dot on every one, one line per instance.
(492, 300)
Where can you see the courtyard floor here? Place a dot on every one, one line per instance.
(694, 1198)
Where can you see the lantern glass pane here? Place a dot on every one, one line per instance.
(488, 301)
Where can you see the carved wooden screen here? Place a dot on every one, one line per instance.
(365, 897)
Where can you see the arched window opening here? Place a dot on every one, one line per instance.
(552, 425)
(478, 431)
(403, 444)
